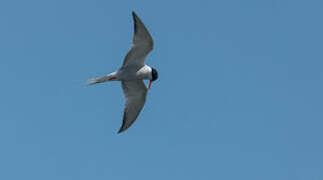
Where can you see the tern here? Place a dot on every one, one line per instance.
(132, 74)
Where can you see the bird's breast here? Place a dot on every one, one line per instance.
(134, 73)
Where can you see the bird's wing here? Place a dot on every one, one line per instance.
(142, 44)
(135, 93)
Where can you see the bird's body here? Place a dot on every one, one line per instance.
(132, 73)
(128, 73)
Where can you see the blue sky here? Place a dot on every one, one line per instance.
(239, 94)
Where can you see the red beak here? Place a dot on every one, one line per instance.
(150, 83)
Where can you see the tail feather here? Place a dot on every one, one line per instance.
(92, 81)
(97, 80)
(102, 79)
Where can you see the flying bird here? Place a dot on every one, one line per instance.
(132, 74)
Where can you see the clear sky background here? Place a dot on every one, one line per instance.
(239, 94)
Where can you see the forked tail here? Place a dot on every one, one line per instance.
(102, 79)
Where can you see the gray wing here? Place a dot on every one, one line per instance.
(142, 44)
(135, 93)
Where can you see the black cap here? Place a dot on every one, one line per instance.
(154, 74)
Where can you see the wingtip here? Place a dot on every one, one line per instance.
(123, 127)
(134, 15)
(121, 130)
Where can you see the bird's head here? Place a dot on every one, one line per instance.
(154, 76)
